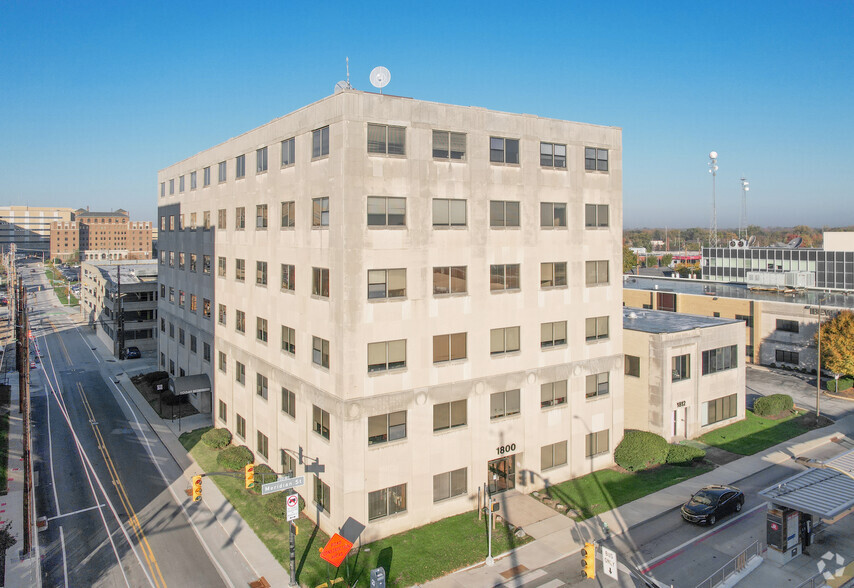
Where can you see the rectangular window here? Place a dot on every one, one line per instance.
(320, 351)
(223, 362)
(449, 145)
(552, 334)
(386, 139)
(261, 273)
(503, 150)
(503, 340)
(449, 415)
(596, 215)
(748, 320)
(181, 259)
(289, 464)
(221, 172)
(222, 313)
(596, 443)
(193, 182)
(449, 213)
(288, 216)
(171, 222)
(320, 212)
(596, 273)
(503, 404)
(680, 368)
(552, 456)
(320, 281)
(240, 424)
(596, 328)
(261, 386)
(449, 280)
(553, 274)
(449, 347)
(720, 359)
(386, 355)
(288, 276)
(171, 294)
(263, 445)
(206, 219)
(240, 166)
(289, 340)
(171, 186)
(503, 213)
(206, 352)
(386, 283)
(223, 411)
(320, 422)
(206, 264)
(261, 216)
(289, 403)
(181, 184)
(595, 159)
(193, 303)
(193, 260)
(220, 271)
(719, 409)
(261, 160)
(504, 277)
(386, 211)
(450, 484)
(783, 356)
(240, 218)
(632, 366)
(240, 321)
(322, 496)
(320, 142)
(181, 336)
(261, 329)
(239, 372)
(162, 195)
(788, 326)
(597, 385)
(552, 214)
(221, 219)
(240, 270)
(387, 427)
(386, 502)
(288, 152)
(206, 173)
(553, 393)
(553, 155)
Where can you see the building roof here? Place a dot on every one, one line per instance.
(116, 213)
(132, 272)
(825, 493)
(708, 288)
(662, 321)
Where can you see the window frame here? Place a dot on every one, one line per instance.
(631, 366)
(506, 409)
(320, 143)
(551, 208)
(595, 163)
(593, 443)
(552, 155)
(680, 367)
(499, 277)
(597, 328)
(320, 212)
(502, 223)
(320, 282)
(452, 492)
(553, 341)
(550, 394)
(240, 166)
(289, 337)
(320, 351)
(261, 160)
(386, 140)
(506, 334)
(392, 503)
(394, 428)
(288, 214)
(453, 341)
(289, 148)
(598, 380)
(555, 280)
(454, 408)
(453, 277)
(595, 211)
(261, 217)
(553, 452)
(449, 136)
(386, 348)
(387, 277)
(494, 151)
(288, 277)
(320, 422)
(385, 214)
(452, 210)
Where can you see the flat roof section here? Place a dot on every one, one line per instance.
(708, 288)
(662, 321)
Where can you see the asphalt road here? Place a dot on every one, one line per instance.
(112, 519)
(762, 381)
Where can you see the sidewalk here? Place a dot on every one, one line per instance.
(558, 536)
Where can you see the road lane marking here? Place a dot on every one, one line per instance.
(64, 561)
(68, 514)
(646, 567)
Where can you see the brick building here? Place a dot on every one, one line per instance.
(101, 236)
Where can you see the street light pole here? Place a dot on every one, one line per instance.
(818, 366)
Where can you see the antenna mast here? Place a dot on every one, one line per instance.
(713, 169)
(348, 72)
(742, 227)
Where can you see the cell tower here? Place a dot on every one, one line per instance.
(742, 225)
(713, 169)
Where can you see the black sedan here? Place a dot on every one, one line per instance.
(712, 503)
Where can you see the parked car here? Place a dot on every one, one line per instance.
(132, 353)
(711, 503)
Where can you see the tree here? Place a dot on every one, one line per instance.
(667, 259)
(630, 260)
(651, 261)
(837, 343)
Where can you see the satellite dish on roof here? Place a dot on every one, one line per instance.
(380, 77)
(796, 242)
(341, 86)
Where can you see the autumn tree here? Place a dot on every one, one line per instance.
(837, 343)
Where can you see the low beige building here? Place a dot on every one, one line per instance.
(684, 374)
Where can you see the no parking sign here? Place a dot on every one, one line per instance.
(292, 502)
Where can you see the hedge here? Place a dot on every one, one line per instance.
(640, 449)
(276, 506)
(217, 438)
(684, 455)
(234, 458)
(844, 384)
(772, 405)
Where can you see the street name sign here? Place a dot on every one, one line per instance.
(609, 562)
(293, 507)
(280, 485)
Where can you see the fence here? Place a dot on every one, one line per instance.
(734, 565)
(814, 582)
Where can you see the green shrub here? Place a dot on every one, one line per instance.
(277, 508)
(772, 405)
(153, 377)
(640, 449)
(684, 455)
(844, 384)
(217, 438)
(234, 458)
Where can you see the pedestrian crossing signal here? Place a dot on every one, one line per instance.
(588, 562)
(249, 474)
(197, 488)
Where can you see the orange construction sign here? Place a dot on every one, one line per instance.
(336, 550)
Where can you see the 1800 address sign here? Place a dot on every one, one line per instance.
(502, 449)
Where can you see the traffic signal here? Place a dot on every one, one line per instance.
(588, 563)
(197, 488)
(249, 474)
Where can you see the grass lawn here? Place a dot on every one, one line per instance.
(409, 558)
(63, 299)
(755, 433)
(601, 491)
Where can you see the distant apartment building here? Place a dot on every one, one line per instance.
(29, 227)
(119, 300)
(101, 236)
(422, 297)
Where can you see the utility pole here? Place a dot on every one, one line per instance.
(818, 366)
(120, 322)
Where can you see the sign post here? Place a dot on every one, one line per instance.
(293, 514)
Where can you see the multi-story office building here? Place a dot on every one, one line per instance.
(29, 227)
(422, 297)
(101, 236)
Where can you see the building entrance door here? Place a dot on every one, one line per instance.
(502, 474)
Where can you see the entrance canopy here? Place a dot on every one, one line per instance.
(189, 385)
(822, 491)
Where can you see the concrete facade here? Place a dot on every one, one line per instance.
(669, 392)
(391, 480)
(29, 227)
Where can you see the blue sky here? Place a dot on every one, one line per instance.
(96, 97)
